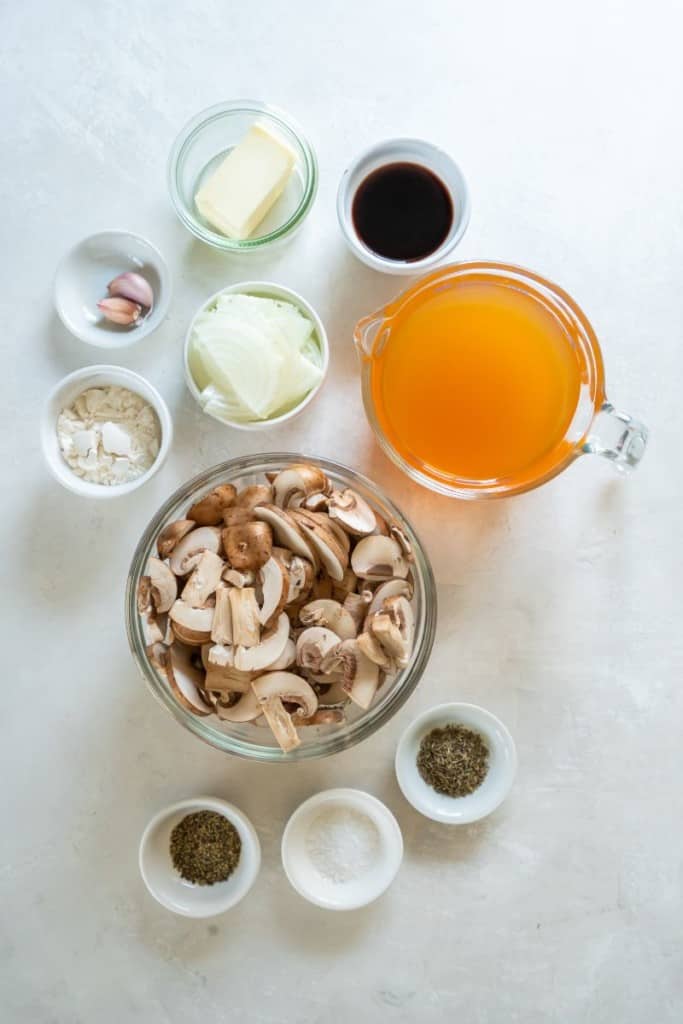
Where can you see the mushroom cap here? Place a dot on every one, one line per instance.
(164, 586)
(352, 512)
(248, 546)
(188, 551)
(322, 542)
(246, 709)
(285, 530)
(204, 579)
(191, 626)
(208, 511)
(184, 679)
(361, 674)
(172, 534)
(289, 687)
(378, 558)
(253, 495)
(300, 478)
(274, 580)
(329, 613)
(390, 588)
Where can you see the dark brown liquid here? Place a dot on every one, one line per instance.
(402, 211)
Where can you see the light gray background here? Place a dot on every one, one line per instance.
(560, 611)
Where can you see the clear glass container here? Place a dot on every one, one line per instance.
(253, 741)
(207, 139)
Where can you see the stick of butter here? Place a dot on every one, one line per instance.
(242, 190)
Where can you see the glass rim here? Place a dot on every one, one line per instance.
(342, 737)
(498, 488)
(182, 144)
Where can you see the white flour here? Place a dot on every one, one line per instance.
(109, 435)
(343, 844)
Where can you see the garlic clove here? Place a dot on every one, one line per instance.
(120, 311)
(133, 287)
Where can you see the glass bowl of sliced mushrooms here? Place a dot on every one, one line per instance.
(281, 608)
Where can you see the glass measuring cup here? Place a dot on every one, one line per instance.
(591, 424)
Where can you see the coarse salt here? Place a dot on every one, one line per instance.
(343, 844)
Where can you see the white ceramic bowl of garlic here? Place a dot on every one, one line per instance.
(294, 374)
(62, 397)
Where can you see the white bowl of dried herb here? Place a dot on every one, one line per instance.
(199, 857)
(456, 763)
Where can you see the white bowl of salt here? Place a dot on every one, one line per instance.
(341, 849)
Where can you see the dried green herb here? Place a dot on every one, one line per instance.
(205, 847)
(453, 760)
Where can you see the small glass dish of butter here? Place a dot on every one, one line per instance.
(242, 176)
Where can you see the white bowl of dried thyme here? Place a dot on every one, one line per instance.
(456, 763)
(199, 857)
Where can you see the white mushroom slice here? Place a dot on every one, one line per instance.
(312, 645)
(184, 679)
(286, 659)
(189, 550)
(220, 655)
(390, 588)
(268, 650)
(324, 716)
(400, 612)
(352, 511)
(299, 479)
(271, 690)
(357, 606)
(221, 627)
(191, 625)
(208, 511)
(227, 680)
(285, 530)
(330, 614)
(372, 649)
(239, 577)
(274, 580)
(315, 502)
(246, 628)
(204, 580)
(255, 494)
(246, 709)
(163, 584)
(378, 558)
(361, 675)
(403, 542)
(323, 543)
(172, 534)
(337, 530)
(335, 695)
(151, 630)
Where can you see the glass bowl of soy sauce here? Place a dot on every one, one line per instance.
(403, 205)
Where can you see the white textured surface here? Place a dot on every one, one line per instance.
(560, 611)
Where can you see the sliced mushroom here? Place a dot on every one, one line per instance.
(220, 655)
(255, 494)
(221, 627)
(246, 628)
(184, 679)
(324, 716)
(235, 516)
(399, 639)
(249, 546)
(163, 585)
(227, 680)
(361, 675)
(347, 585)
(151, 630)
(204, 579)
(286, 659)
(312, 645)
(208, 511)
(239, 577)
(268, 650)
(274, 580)
(378, 558)
(402, 541)
(315, 502)
(188, 551)
(337, 530)
(323, 543)
(391, 588)
(191, 625)
(299, 479)
(285, 530)
(275, 688)
(172, 534)
(246, 709)
(357, 607)
(330, 614)
(334, 695)
(352, 512)
(372, 649)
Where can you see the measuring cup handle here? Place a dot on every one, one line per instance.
(617, 437)
(366, 332)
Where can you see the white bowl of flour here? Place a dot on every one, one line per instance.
(341, 849)
(105, 431)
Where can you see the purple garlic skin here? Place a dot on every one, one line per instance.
(120, 311)
(133, 287)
